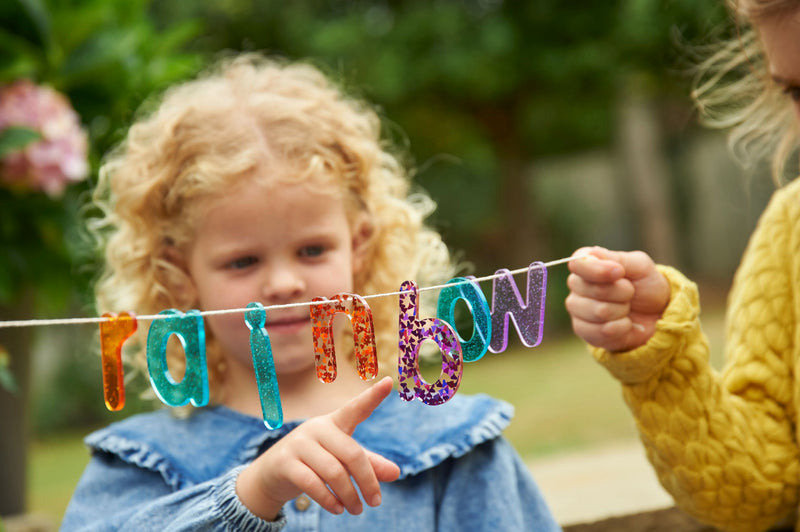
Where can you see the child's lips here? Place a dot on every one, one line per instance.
(288, 324)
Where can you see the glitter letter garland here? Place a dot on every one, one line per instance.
(189, 330)
(412, 333)
(507, 303)
(360, 317)
(267, 381)
(470, 292)
(113, 334)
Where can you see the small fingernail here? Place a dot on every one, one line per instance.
(338, 509)
(376, 500)
(639, 327)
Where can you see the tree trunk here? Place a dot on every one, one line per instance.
(13, 412)
(647, 174)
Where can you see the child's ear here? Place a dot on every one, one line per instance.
(176, 276)
(363, 232)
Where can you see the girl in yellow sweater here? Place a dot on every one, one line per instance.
(724, 445)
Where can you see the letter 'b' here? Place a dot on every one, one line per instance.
(413, 332)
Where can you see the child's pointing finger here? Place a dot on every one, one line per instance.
(360, 407)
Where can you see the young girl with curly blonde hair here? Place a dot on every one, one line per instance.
(724, 445)
(261, 181)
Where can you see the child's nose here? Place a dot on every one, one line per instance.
(282, 283)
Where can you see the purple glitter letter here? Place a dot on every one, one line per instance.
(413, 332)
(507, 303)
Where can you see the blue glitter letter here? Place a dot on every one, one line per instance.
(261, 349)
(189, 330)
(476, 346)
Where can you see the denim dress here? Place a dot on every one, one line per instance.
(457, 473)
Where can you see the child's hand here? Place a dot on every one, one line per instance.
(319, 458)
(615, 297)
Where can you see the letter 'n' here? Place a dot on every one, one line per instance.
(322, 312)
(507, 304)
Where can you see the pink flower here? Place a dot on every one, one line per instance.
(60, 156)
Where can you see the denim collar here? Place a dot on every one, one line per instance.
(213, 440)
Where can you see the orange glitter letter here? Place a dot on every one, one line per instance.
(360, 316)
(113, 334)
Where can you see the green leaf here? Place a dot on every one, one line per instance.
(15, 138)
(37, 12)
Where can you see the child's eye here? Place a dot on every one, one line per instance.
(241, 263)
(311, 251)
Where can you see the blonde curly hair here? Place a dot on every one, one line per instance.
(203, 135)
(733, 90)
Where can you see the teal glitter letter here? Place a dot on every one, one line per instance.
(189, 330)
(264, 365)
(474, 348)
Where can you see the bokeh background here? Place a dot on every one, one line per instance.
(538, 126)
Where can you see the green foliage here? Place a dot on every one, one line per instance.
(7, 381)
(106, 57)
(480, 87)
(74, 397)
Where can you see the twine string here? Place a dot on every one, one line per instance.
(102, 319)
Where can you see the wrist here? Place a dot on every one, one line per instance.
(253, 495)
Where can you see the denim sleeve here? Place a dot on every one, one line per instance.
(114, 495)
(490, 489)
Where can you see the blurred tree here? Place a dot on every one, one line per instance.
(105, 57)
(481, 87)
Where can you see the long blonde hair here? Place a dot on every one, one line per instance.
(733, 90)
(203, 135)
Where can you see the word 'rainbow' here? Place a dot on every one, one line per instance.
(490, 333)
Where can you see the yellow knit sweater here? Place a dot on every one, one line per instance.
(726, 445)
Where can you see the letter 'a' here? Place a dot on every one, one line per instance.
(188, 328)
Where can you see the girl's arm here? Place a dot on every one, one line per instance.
(724, 446)
(114, 495)
(317, 458)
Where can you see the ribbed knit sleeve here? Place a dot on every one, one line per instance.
(724, 445)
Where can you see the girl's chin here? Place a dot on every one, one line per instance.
(294, 369)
